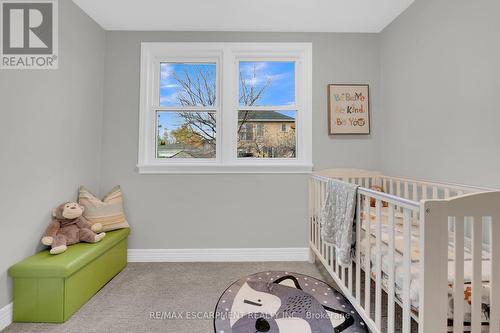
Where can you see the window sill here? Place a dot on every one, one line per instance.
(224, 169)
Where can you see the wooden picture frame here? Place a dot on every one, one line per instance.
(348, 109)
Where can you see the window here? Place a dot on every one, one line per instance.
(225, 108)
(266, 90)
(259, 132)
(181, 131)
(245, 131)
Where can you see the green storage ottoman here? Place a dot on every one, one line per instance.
(50, 288)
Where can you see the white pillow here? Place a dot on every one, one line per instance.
(108, 211)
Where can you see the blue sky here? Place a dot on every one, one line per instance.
(170, 87)
(281, 90)
(281, 76)
(288, 113)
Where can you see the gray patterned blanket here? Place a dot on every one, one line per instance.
(337, 216)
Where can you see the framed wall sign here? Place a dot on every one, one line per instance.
(348, 109)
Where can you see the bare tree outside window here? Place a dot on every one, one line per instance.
(194, 132)
(199, 88)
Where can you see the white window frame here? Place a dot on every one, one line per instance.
(227, 57)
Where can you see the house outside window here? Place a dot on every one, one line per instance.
(225, 108)
(272, 142)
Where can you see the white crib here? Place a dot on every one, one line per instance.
(429, 218)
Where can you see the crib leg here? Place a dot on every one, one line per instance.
(312, 256)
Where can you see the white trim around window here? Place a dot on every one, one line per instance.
(226, 56)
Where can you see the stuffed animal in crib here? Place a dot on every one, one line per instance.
(68, 227)
(373, 201)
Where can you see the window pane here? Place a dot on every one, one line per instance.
(266, 134)
(185, 135)
(267, 83)
(184, 84)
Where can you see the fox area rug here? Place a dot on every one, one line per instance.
(284, 302)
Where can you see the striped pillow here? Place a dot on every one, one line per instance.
(108, 212)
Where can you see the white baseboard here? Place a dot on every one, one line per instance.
(218, 255)
(5, 316)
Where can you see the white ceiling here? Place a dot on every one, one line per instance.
(245, 15)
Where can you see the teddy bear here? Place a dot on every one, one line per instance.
(68, 227)
(373, 201)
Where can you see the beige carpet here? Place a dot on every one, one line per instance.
(125, 304)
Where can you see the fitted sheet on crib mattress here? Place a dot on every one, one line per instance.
(415, 266)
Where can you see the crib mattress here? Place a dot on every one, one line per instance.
(415, 266)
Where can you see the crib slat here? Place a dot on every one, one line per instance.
(398, 188)
(406, 271)
(314, 212)
(446, 193)
(367, 255)
(349, 277)
(358, 250)
(311, 211)
(318, 211)
(349, 273)
(332, 257)
(323, 252)
(495, 275)
(415, 191)
(477, 282)
(342, 276)
(320, 205)
(336, 263)
(390, 299)
(378, 266)
(322, 249)
(407, 190)
(424, 192)
(458, 288)
(435, 192)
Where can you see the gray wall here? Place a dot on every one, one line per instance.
(50, 134)
(440, 75)
(227, 211)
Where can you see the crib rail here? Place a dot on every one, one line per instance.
(417, 190)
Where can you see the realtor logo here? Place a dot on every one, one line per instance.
(28, 34)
